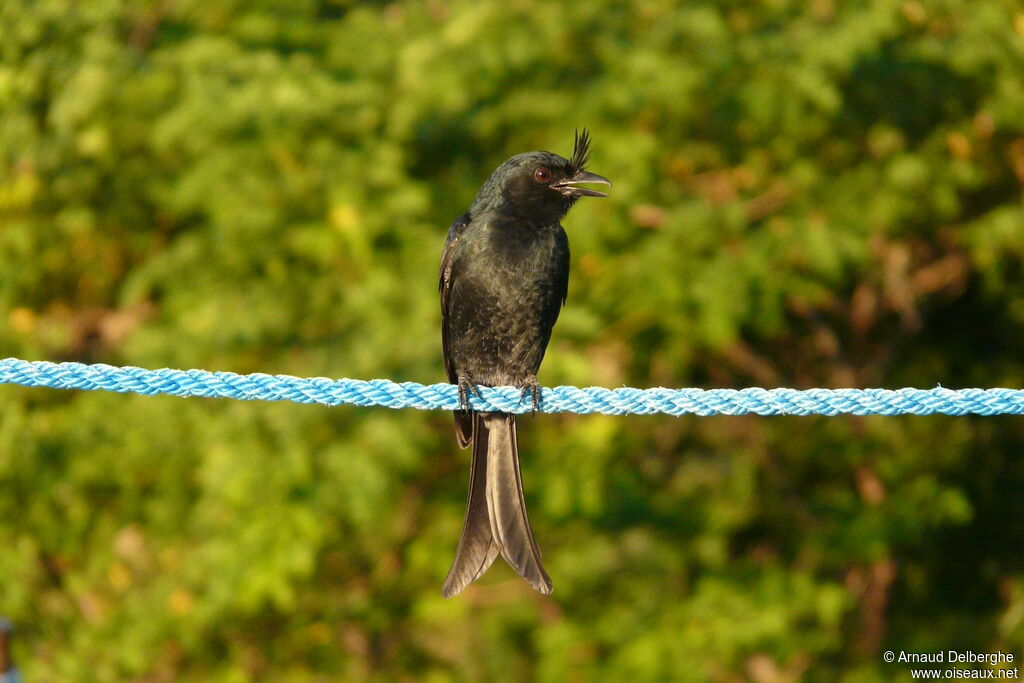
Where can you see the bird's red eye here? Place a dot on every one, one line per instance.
(542, 175)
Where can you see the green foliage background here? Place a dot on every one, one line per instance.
(807, 193)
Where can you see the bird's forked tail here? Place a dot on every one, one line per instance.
(496, 520)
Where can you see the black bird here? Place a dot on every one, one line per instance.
(504, 276)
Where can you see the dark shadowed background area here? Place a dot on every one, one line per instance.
(812, 193)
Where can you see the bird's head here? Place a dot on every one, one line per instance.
(541, 185)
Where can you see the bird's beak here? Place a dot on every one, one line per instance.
(570, 187)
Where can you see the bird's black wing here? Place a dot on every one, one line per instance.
(444, 287)
(463, 420)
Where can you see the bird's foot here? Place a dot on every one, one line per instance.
(466, 387)
(532, 389)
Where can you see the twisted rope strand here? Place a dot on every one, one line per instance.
(623, 401)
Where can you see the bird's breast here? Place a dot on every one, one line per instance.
(504, 302)
(524, 249)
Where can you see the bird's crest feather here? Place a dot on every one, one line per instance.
(581, 151)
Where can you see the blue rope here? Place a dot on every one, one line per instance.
(624, 401)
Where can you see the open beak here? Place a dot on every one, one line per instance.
(570, 187)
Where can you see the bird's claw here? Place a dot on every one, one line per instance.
(531, 388)
(466, 387)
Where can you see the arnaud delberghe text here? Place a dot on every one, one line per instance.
(956, 657)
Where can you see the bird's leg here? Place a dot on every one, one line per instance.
(466, 387)
(532, 388)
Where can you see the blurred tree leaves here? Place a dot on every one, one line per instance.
(806, 193)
